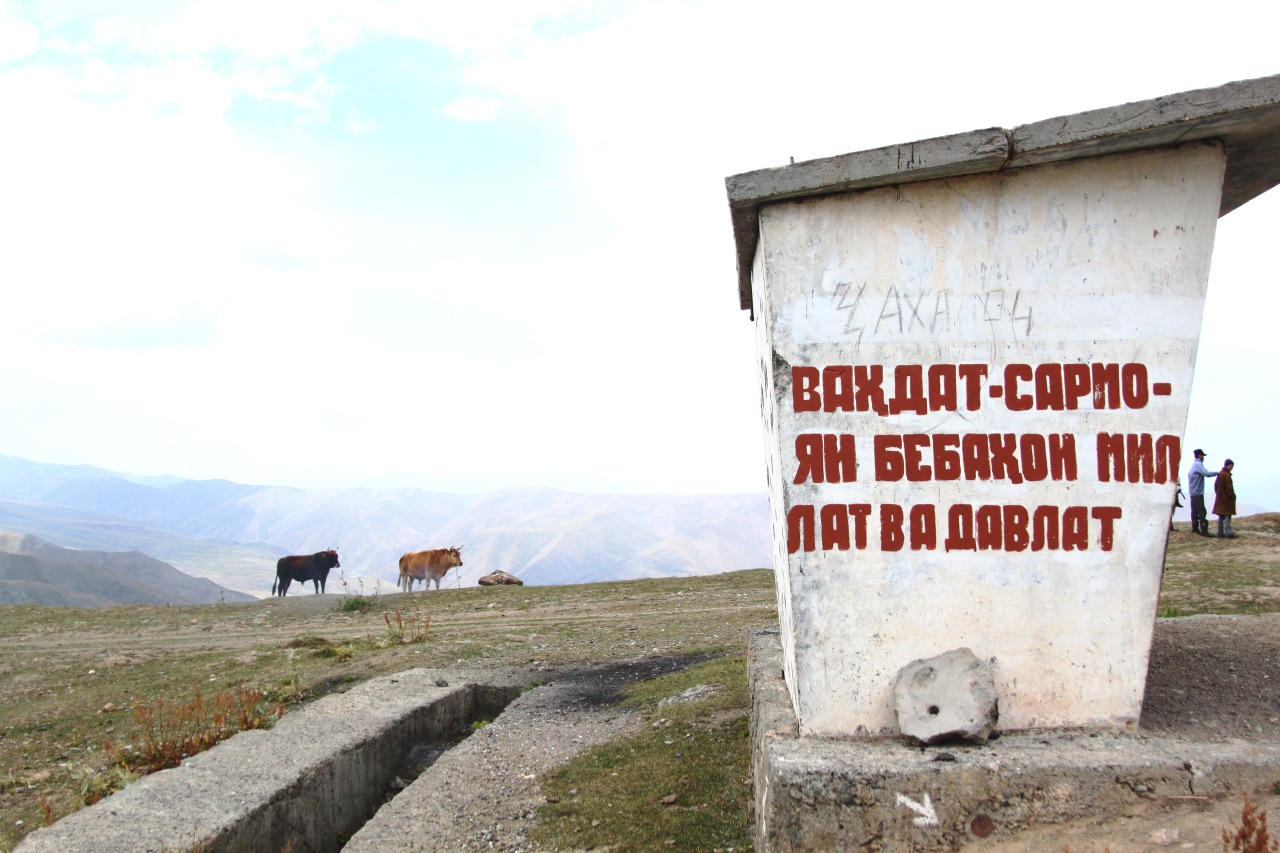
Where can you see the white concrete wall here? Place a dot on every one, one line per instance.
(1101, 261)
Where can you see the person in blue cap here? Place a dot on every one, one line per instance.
(1195, 488)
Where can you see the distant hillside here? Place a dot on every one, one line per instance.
(1264, 492)
(247, 568)
(33, 571)
(544, 536)
(23, 479)
(550, 536)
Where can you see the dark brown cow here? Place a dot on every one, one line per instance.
(314, 567)
(428, 566)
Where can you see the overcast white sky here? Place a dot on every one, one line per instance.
(473, 245)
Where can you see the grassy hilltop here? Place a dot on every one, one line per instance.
(65, 666)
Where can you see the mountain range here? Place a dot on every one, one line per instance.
(233, 533)
(33, 571)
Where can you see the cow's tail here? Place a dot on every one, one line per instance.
(273, 585)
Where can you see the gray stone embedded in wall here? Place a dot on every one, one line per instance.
(948, 697)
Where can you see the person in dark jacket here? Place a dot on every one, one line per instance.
(1224, 501)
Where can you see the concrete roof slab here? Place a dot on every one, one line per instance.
(1244, 115)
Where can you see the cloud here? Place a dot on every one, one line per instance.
(360, 125)
(473, 109)
(301, 33)
(293, 197)
(18, 39)
(483, 29)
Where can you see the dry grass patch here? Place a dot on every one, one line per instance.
(1211, 575)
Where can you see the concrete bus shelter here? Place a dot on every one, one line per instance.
(975, 356)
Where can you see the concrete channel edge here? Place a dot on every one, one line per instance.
(304, 785)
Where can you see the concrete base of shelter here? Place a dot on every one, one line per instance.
(883, 794)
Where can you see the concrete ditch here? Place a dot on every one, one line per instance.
(305, 785)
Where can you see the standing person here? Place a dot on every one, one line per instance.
(1195, 487)
(1224, 504)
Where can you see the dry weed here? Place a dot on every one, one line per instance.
(170, 731)
(1251, 836)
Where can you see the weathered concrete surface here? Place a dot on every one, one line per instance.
(1244, 115)
(870, 306)
(947, 156)
(303, 785)
(884, 795)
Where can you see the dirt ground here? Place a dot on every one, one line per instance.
(63, 668)
(1212, 678)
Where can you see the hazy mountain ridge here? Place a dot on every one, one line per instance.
(18, 475)
(234, 532)
(229, 564)
(33, 571)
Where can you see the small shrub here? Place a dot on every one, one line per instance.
(338, 653)
(1251, 836)
(356, 602)
(95, 785)
(407, 628)
(289, 690)
(170, 731)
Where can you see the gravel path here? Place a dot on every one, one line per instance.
(483, 793)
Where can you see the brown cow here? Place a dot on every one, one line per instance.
(428, 566)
